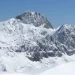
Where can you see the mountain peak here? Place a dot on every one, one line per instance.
(34, 18)
(66, 27)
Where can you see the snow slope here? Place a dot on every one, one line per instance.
(12, 74)
(65, 69)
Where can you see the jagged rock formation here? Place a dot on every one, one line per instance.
(34, 18)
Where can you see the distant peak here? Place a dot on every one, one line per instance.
(34, 18)
(67, 26)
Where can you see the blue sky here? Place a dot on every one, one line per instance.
(58, 12)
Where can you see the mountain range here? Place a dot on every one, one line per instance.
(30, 44)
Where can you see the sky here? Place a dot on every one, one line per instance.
(58, 12)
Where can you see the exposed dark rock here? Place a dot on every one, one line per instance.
(34, 18)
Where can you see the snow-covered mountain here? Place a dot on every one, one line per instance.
(65, 37)
(34, 18)
(29, 44)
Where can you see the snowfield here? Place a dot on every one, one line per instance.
(64, 69)
(12, 74)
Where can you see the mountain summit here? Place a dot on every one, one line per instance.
(34, 18)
